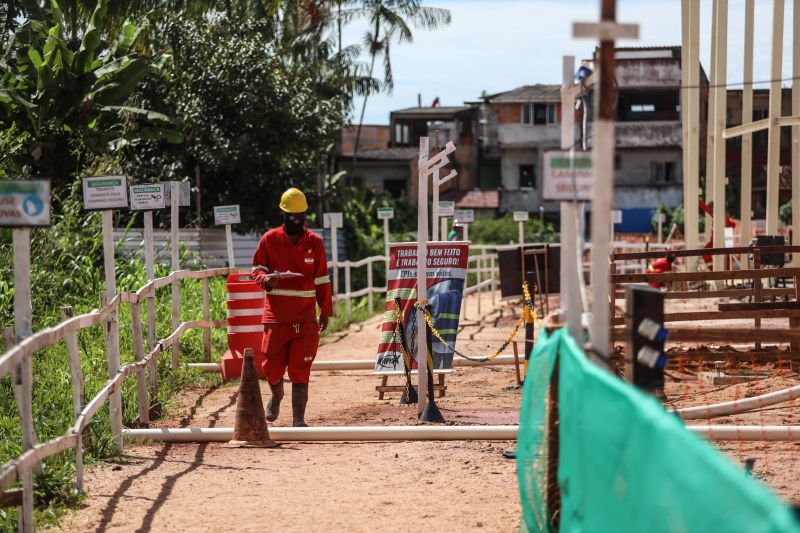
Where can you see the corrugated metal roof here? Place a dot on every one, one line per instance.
(530, 93)
(474, 199)
(389, 154)
(433, 111)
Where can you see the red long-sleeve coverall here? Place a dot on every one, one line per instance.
(291, 331)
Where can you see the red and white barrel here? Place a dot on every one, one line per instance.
(245, 302)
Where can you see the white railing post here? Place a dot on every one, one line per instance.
(369, 287)
(478, 264)
(206, 316)
(348, 303)
(176, 321)
(494, 279)
(111, 330)
(138, 353)
(78, 398)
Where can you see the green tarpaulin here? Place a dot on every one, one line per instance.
(624, 463)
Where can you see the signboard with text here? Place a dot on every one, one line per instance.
(385, 213)
(446, 208)
(24, 203)
(616, 216)
(147, 197)
(447, 269)
(567, 176)
(465, 216)
(227, 214)
(521, 216)
(105, 192)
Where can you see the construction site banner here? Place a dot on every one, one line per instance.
(447, 270)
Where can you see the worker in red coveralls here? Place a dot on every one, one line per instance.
(659, 266)
(291, 330)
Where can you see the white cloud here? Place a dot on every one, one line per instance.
(496, 45)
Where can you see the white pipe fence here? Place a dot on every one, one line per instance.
(67, 330)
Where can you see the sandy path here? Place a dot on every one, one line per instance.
(330, 486)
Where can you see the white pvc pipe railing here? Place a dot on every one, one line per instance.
(367, 364)
(408, 433)
(739, 406)
(331, 434)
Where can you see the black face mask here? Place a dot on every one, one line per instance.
(293, 223)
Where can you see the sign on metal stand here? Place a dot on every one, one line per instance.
(227, 215)
(446, 209)
(616, 218)
(24, 204)
(106, 193)
(333, 221)
(386, 214)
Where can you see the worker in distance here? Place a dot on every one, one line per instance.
(290, 265)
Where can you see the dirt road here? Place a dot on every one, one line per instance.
(326, 486)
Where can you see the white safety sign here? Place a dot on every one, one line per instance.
(446, 208)
(385, 213)
(105, 192)
(24, 203)
(227, 214)
(147, 197)
(465, 216)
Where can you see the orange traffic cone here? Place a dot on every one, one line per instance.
(250, 429)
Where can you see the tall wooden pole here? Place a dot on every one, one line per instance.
(690, 108)
(176, 285)
(115, 401)
(422, 273)
(795, 129)
(603, 186)
(747, 117)
(719, 81)
(710, 139)
(774, 131)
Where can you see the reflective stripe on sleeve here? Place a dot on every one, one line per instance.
(296, 294)
(322, 279)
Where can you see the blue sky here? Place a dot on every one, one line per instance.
(496, 45)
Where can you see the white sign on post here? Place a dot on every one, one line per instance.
(332, 220)
(521, 216)
(105, 192)
(227, 214)
(385, 213)
(446, 208)
(661, 218)
(616, 216)
(567, 176)
(24, 203)
(465, 216)
(728, 237)
(148, 197)
(185, 196)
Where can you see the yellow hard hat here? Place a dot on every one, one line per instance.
(294, 201)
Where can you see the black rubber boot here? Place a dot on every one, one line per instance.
(274, 404)
(299, 401)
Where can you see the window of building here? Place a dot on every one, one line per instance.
(395, 187)
(617, 162)
(508, 108)
(662, 172)
(401, 133)
(538, 114)
(527, 177)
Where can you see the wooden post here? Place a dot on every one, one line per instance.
(369, 287)
(151, 301)
(206, 316)
(335, 261)
(747, 117)
(710, 138)
(422, 272)
(690, 108)
(347, 290)
(229, 239)
(774, 131)
(112, 328)
(176, 285)
(795, 130)
(494, 279)
(78, 397)
(478, 266)
(25, 512)
(521, 236)
(603, 185)
(138, 353)
(758, 290)
(386, 242)
(718, 81)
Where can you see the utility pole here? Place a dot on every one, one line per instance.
(603, 157)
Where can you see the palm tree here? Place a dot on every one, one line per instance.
(391, 20)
